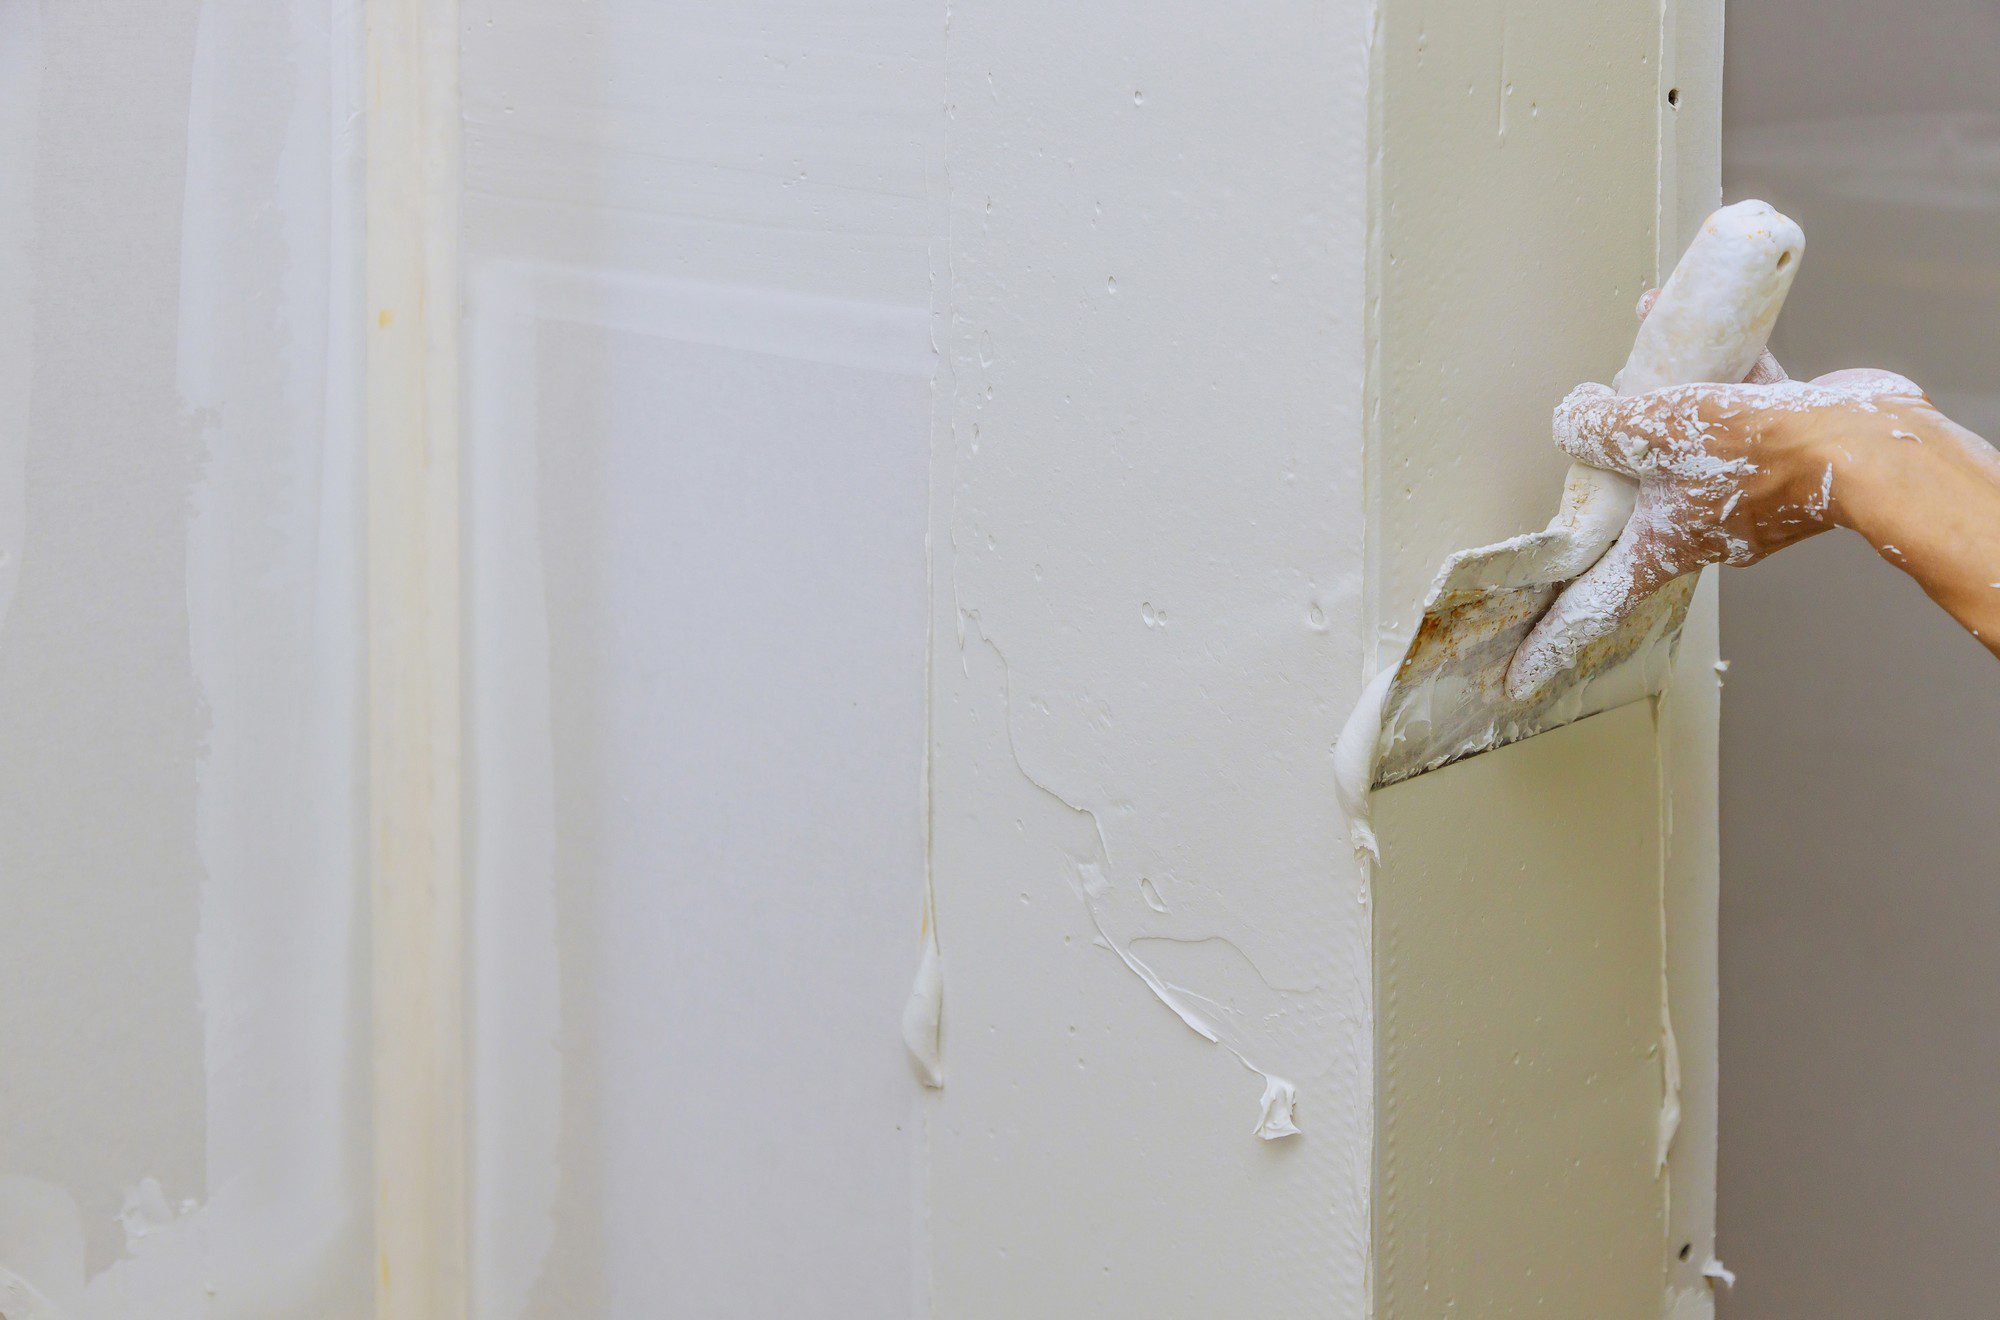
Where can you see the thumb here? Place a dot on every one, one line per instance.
(1588, 609)
(1766, 371)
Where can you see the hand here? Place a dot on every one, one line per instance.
(1727, 475)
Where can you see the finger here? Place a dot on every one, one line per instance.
(1603, 430)
(1766, 371)
(1587, 610)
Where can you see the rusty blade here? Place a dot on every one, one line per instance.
(1449, 697)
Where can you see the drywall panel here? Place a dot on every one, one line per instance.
(1534, 178)
(784, 144)
(184, 1092)
(1147, 540)
(1517, 920)
(100, 710)
(698, 621)
(697, 405)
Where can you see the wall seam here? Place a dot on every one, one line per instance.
(414, 658)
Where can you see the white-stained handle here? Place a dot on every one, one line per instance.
(1711, 322)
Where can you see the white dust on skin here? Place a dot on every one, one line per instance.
(1691, 449)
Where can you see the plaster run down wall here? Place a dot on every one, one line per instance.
(179, 694)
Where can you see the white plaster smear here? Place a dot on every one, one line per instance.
(1204, 975)
(266, 364)
(923, 1014)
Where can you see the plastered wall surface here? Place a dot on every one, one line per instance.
(806, 350)
(1147, 530)
(1534, 179)
(1861, 724)
(697, 386)
(183, 1099)
(1520, 1055)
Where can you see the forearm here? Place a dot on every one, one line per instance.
(1925, 492)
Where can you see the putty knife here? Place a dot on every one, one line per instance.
(1446, 699)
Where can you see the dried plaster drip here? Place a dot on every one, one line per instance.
(1274, 1118)
(1670, 1068)
(1354, 758)
(1123, 920)
(20, 1301)
(164, 1273)
(1670, 1050)
(923, 1011)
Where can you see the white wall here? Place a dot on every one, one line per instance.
(1861, 724)
(1147, 520)
(802, 344)
(179, 680)
(697, 395)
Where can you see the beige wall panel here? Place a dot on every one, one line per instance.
(1516, 216)
(1532, 180)
(1518, 938)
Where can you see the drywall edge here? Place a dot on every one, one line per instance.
(1690, 711)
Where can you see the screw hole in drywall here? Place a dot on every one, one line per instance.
(1674, 97)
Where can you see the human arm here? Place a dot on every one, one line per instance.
(1729, 474)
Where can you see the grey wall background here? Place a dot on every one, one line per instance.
(1860, 1158)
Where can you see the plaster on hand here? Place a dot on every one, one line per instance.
(1719, 483)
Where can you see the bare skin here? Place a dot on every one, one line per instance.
(1729, 474)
